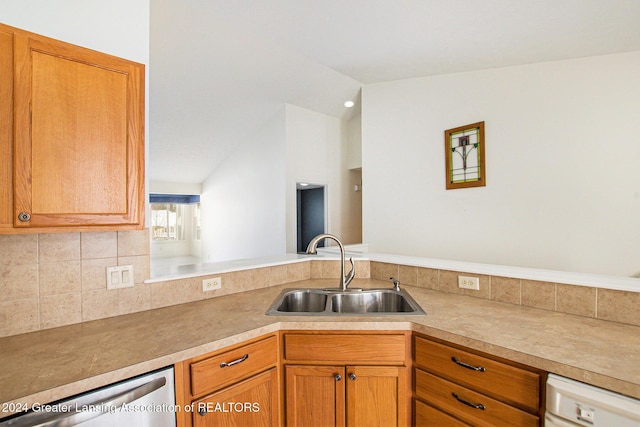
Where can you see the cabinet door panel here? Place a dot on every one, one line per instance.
(249, 403)
(315, 396)
(78, 137)
(79, 143)
(376, 396)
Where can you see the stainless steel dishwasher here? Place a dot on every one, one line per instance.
(571, 403)
(144, 401)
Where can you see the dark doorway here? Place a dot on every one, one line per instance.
(310, 211)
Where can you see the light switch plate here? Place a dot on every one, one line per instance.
(120, 276)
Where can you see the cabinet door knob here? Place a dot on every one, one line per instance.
(338, 377)
(352, 377)
(24, 216)
(202, 411)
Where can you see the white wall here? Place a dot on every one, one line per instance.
(243, 201)
(249, 202)
(117, 27)
(317, 154)
(562, 150)
(164, 187)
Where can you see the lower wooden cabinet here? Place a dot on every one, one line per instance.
(251, 402)
(315, 395)
(354, 379)
(377, 395)
(344, 379)
(346, 395)
(236, 386)
(460, 387)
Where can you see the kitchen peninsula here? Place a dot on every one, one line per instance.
(52, 364)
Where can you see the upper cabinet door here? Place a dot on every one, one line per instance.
(6, 129)
(78, 136)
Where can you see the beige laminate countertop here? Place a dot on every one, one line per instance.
(41, 367)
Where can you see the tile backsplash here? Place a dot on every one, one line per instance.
(50, 280)
(606, 304)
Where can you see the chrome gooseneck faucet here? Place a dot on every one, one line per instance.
(345, 279)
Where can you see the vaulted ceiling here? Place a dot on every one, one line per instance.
(219, 69)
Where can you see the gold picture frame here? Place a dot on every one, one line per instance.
(464, 156)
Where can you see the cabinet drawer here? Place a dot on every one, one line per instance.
(345, 348)
(428, 416)
(457, 400)
(491, 377)
(213, 372)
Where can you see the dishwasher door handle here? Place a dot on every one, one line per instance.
(106, 405)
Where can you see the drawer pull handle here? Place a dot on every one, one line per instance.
(466, 365)
(235, 362)
(473, 405)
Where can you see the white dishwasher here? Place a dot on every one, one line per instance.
(144, 401)
(571, 403)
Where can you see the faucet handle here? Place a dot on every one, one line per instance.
(396, 283)
(349, 277)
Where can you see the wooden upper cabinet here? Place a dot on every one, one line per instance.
(78, 135)
(6, 129)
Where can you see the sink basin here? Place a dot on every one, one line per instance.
(371, 302)
(302, 301)
(329, 302)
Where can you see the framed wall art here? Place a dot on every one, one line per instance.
(464, 155)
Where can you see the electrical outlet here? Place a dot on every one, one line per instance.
(211, 284)
(466, 282)
(120, 276)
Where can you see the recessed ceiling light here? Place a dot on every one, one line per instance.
(303, 184)
(349, 104)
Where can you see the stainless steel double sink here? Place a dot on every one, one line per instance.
(330, 302)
